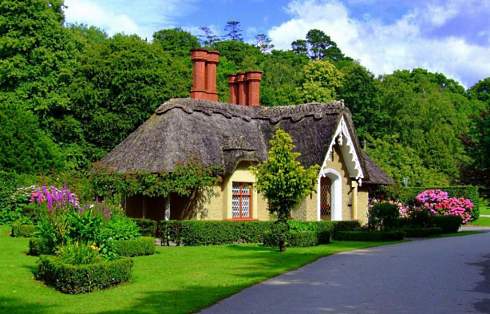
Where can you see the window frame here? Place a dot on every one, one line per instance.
(241, 195)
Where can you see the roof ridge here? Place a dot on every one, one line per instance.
(273, 114)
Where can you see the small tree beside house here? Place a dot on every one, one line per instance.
(284, 182)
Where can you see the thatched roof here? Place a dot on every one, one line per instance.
(182, 130)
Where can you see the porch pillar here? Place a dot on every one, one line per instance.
(354, 200)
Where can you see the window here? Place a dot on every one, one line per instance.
(241, 201)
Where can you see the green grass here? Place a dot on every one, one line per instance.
(174, 280)
(484, 210)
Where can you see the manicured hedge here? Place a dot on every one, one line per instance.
(408, 194)
(361, 235)
(38, 246)
(448, 224)
(295, 239)
(21, 230)
(347, 225)
(421, 232)
(75, 279)
(147, 227)
(136, 247)
(195, 232)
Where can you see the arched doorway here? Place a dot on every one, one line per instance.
(325, 198)
(329, 193)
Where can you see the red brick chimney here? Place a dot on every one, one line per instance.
(242, 89)
(233, 84)
(253, 88)
(204, 65)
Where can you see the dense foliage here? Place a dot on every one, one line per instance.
(70, 93)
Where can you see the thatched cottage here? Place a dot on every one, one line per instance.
(236, 135)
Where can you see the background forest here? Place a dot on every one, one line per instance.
(70, 93)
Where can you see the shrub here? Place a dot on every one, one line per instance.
(360, 235)
(448, 224)
(135, 247)
(467, 191)
(78, 254)
(147, 227)
(417, 232)
(119, 228)
(39, 246)
(22, 230)
(347, 225)
(383, 216)
(74, 279)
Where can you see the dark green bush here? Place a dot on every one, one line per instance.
(38, 246)
(196, 232)
(83, 278)
(471, 192)
(294, 239)
(418, 232)
(361, 235)
(135, 247)
(347, 225)
(448, 224)
(383, 216)
(22, 230)
(147, 227)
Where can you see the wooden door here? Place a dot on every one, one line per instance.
(325, 198)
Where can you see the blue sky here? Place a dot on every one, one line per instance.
(452, 36)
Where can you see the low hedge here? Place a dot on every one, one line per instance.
(448, 224)
(421, 232)
(21, 230)
(295, 239)
(147, 227)
(361, 235)
(39, 246)
(196, 232)
(75, 279)
(136, 247)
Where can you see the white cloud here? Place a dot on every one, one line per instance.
(127, 16)
(383, 47)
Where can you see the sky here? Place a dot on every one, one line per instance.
(452, 36)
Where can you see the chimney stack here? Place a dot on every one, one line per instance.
(242, 89)
(245, 88)
(204, 65)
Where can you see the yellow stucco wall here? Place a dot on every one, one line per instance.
(218, 207)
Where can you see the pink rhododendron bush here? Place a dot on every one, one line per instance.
(438, 202)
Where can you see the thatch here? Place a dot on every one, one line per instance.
(219, 134)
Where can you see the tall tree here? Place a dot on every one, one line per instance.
(263, 42)
(318, 46)
(208, 38)
(234, 31)
(300, 46)
(176, 41)
(321, 81)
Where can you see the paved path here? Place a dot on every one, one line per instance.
(443, 275)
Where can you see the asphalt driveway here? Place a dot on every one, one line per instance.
(443, 275)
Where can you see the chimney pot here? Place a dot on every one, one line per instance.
(233, 84)
(211, 64)
(253, 91)
(242, 89)
(199, 57)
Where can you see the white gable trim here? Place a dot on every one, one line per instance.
(343, 138)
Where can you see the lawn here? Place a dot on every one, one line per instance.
(175, 280)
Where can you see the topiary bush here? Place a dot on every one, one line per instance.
(147, 227)
(448, 224)
(136, 247)
(74, 279)
(361, 235)
(22, 230)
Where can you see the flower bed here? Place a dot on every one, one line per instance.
(75, 279)
(22, 230)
